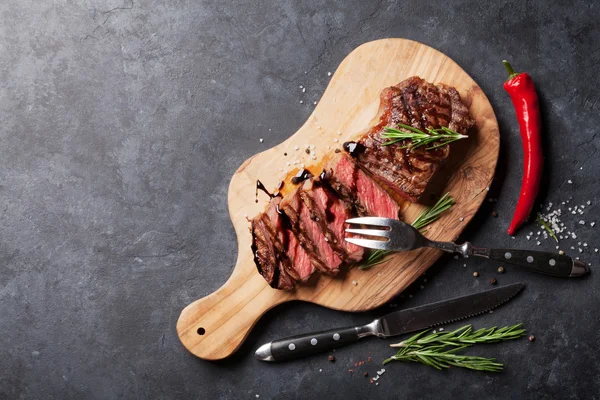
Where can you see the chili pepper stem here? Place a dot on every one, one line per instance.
(509, 69)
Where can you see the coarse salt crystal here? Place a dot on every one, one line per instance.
(312, 146)
(335, 140)
(329, 74)
(301, 102)
(296, 147)
(585, 245)
(315, 103)
(592, 223)
(538, 243)
(354, 283)
(461, 219)
(304, 90)
(261, 140)
(569, 181)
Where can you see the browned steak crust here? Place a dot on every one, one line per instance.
(422, 105)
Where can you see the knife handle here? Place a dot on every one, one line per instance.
(540, 261)
(306, 344)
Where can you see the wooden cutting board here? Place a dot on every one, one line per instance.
(215, 326)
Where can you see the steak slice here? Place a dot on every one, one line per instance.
(422, 105)
(355, 187)
(309, 234)
(330, 213)
(299, 258)
(270, 243)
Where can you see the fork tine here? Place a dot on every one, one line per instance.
(376, 221)
(371, 244)
(370, 232)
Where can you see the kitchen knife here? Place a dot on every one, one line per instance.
(396, 323)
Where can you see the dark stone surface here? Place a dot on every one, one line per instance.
(121, 124)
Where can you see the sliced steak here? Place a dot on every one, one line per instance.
(279, 263)
(264, 250)
(309, 234)
(330, 213)
(355, 187)
(422, 105)
(301, 261)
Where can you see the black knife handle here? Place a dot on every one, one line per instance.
(540, 261)
(306, 344)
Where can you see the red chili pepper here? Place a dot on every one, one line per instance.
(522, 93)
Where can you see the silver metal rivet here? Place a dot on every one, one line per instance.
(507, 255)
(552, 262)
(529, 259)
(313, 341)
(292, 346)
(336, 336)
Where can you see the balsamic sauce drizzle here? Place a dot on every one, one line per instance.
(261, 186)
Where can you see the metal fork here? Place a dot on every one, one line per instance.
(399, 236)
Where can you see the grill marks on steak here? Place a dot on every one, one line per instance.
(277, 254)
(355, 187)
(422, 105)
(308, 231)
(330, 213)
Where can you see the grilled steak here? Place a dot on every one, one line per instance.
(422, 105)
(308, 231)
(358, 189)
(305, 230)
(277, 254)
(330, 213)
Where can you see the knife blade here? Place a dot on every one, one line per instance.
(396, 323)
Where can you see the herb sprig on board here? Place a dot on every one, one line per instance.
(438, 350)
(419, 138)
(427, 217)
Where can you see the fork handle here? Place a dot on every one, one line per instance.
(538, 261)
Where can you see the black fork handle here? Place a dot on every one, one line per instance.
(538, 261)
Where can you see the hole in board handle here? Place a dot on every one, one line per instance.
(201, 331)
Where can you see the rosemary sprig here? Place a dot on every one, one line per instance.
(432, 214)
(547, 227)
(419, 138)
(464, 336)
(427, 217)
(439, 350)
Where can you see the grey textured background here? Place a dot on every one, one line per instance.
(121, 124)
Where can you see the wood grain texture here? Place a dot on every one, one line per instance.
(350, 105)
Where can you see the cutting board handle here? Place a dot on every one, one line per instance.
(215, 326)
